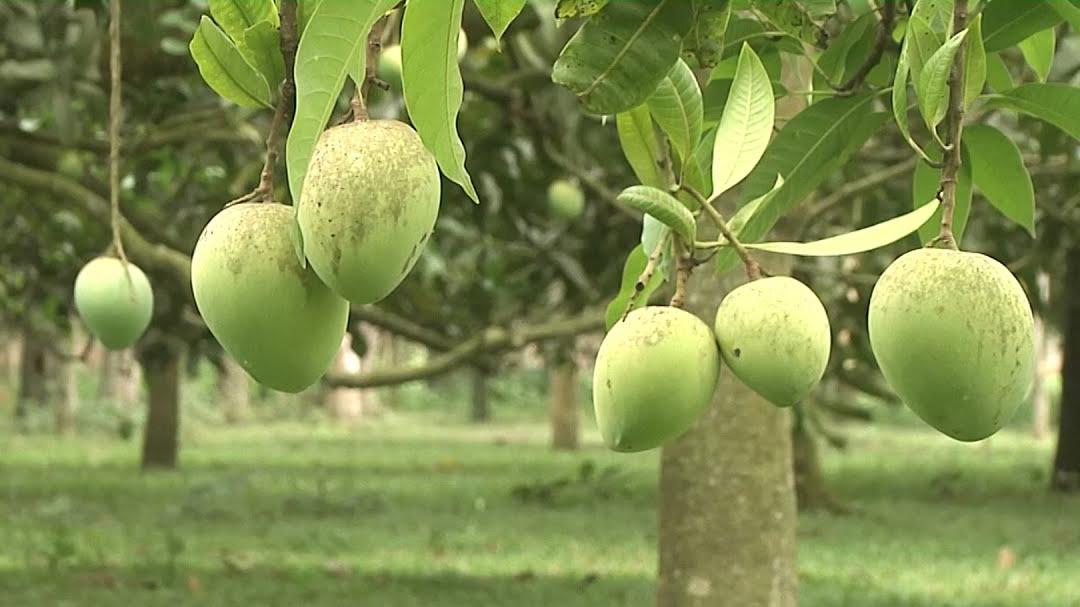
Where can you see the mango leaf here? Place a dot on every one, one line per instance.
(858, 241)
(1068, 10)
(261, 47)
(331, 47)
(997, 168)
(499, 14)
(693, 171)
(746, 125)
(677, 107)
(1058, 104)
(567, 9)
(619, 56)
(632, 269)
(1007, 22)
(304, 10)
(997, 73)
(1038, 50)
(705, 42)
(974, 63)
(933, 86)
(841, 59)
(431, 79)
(811, 146)
(792, 18)
(237, 16)
(925, 184)
(640, 144)
(224, 69)
(726, 258)
(900, 83)
(663, 207)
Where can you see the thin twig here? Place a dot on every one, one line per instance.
(683, 267)
(115, 118)
(884, 36)
(753, 269)
(955, 116)
(646, 275)
(374, 48)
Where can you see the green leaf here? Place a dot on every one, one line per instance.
(1068, 11)
(499, 14)
(705, 42)
(792, 18)
(693, 171)
(997, 168)
(663, 206)
(224, 68)
(1038, 50)
(997, 73)
(237, 16)
(974, 63)
(331, 47)
(859, 241)
(900, 87)
(746, 125)
(616, 60)
(297, 238)
(567, 9)
(726, 258)
(1058, 104)
(925, 184)
(261, 46)
(677, 107)
(431, 79)
(841, 58)
(632, 269)
(933, 86)
(811, 146)
(304, 10)
(640, 144)
(1007, 22)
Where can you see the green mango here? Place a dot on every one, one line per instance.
(565, 199)
(389, 67)
(954, 336)
(273, 316)
(774, 334)
(368, 207)
(114, 310)
(655, 372)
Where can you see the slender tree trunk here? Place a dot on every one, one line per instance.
(119, 378)
(33, 387)
(66, 394)
(390, 351)
(1066, 476)
(161, 363)
(480, 411)
(563, 394)
(9, 358)
(727, 495)
(233, 391)
(1040, 398)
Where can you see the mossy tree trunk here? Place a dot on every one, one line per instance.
(161, 362)
(1066, 475)
(480, 409)
(33, 387)
(563, 396)
(66, 393)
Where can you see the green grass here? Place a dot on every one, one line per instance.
(412, 510)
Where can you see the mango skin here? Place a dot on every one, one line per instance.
(953, 335)
(655, 372)
(565, 199)
(114, 312)
(368, 207)
(774, 334)
(275, 318)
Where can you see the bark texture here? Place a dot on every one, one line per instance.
(1066, 475)
(233, 391)
(119, 379)
(480, 411)
(161, 436)
(563, 394)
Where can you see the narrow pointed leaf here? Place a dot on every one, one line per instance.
(726, 258)
(746, 125)
(431, 79)
(663, 206)
(237, 16)
(997, 168)
(261, 47)
(997, 73)
(974, 63)
(677, 107)
(499, 14)
(1007, 22)
(1058, 104)
(933, 86)
(640, 144)
(1068, 10)
(224, 68)
(1038, 50)
(632, 269)
(859, 241)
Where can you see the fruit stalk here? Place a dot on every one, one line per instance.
(683, 267)
(753, 268)
(374, 47)
(647, 274)
(115, 119)
(955, 119)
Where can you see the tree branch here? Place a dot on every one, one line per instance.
(884, 36)
(955, 116)
(399, 325)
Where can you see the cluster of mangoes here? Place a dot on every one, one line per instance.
(952, 332)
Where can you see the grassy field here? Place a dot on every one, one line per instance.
(413, 510)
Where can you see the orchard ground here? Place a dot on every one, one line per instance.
(418, 508)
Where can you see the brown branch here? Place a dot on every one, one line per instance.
(683, 267)
(399, 325)
(753, 268)
(488, 341)
(955, 117)
(884, 36)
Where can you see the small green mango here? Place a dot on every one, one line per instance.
(114, 310)
(368, 207)
(774, 334)
(953, 335)
(565, 199)
(274, 317)
(389, 67)
(655, 372)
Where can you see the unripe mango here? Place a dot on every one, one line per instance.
(655, 373)
(368, 207)
(953, 335)
(565, 199)
(114, 310)
(277, 319)
(389, 67)
(774, 334)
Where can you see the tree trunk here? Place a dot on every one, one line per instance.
(727, 495)
(563, 393)
(1040, 398)
(1066, 476)
(345, 404)
(33, 388)
(119, 379)
(480, 411)
(161, 368)
(66, 394)
(233, 391)
(9, 358)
